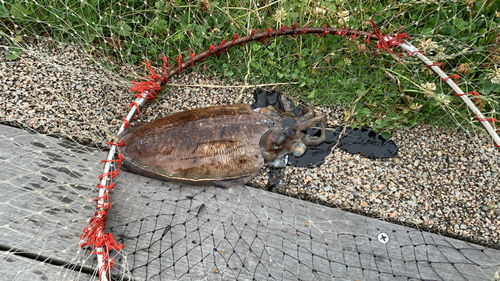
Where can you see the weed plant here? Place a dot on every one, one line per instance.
(377, 89)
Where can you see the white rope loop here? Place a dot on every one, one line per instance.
(477, 113)
(144, 96)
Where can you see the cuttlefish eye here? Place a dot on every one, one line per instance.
(274, 140)
(278, 141)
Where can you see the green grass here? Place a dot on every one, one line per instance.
(377, 89)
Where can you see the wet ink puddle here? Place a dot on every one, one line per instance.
(363, 141)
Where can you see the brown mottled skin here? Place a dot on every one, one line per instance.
(220, 145)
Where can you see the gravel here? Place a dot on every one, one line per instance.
(439, 181)
(446, 182)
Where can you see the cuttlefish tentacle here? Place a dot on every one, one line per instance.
(304, 124)
(286, 104)
(306, 121)
(307, 113)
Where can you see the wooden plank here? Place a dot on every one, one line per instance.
(18, 268)
(173, 231)
(47, 186)
(246, 233)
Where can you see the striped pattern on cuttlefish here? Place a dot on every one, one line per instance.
(219, 145)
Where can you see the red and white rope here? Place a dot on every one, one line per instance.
(486, 122)
(94, 234)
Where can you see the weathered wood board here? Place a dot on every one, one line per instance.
(245, 233)
(180, 232)
(46, 191)
(17, 268)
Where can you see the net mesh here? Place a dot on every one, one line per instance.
(66, 71)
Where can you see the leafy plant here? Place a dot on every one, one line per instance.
(327, 71)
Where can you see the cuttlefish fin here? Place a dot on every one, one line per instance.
(130, 130)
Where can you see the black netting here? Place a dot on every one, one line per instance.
(172, 231)
(65, 72)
